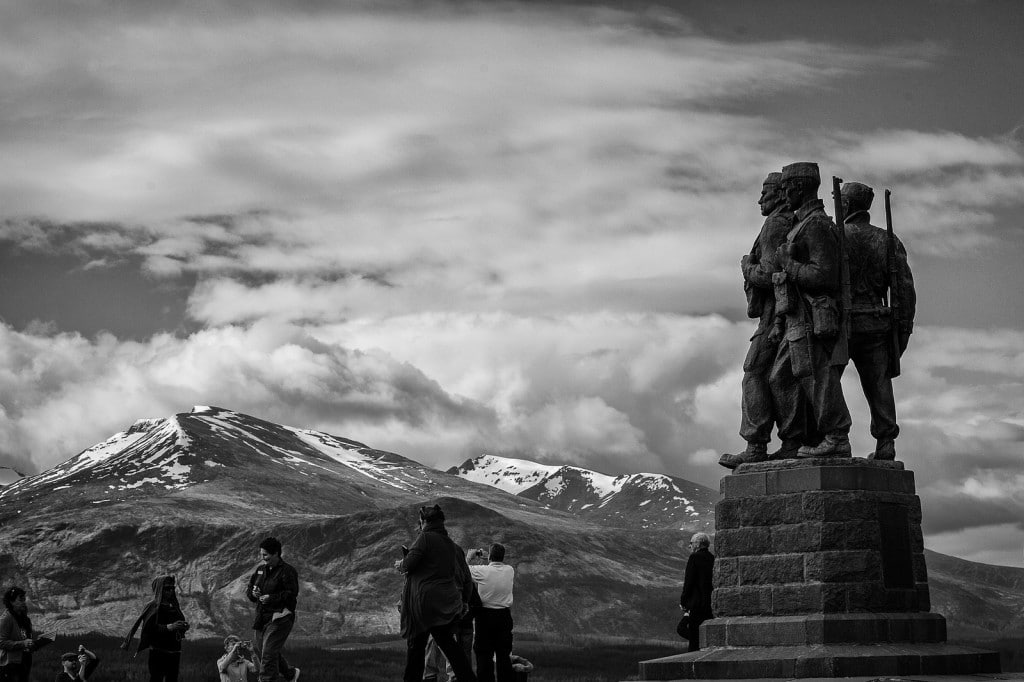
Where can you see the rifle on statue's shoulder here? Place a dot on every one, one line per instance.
(893, 293)
(841, 352)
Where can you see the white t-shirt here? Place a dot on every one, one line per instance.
(235, 671)
(494, 583)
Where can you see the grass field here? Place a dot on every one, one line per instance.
(576, 659)
(572, 659)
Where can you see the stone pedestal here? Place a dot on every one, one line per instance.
(820, 572)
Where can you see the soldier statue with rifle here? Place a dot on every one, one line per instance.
(881, 309)
(812, 347)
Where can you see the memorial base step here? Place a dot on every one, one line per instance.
(822, 660)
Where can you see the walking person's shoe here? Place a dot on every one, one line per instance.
(755, 452)
(833, 445)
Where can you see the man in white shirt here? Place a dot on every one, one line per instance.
(493, 643)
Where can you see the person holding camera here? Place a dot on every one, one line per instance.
(77, 667)
(493, 643)
(274, 588)
(237, 661)
(163, 628)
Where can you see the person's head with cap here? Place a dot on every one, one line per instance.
(800, 182)
(69, 661)
(857, 197)
(771, 193)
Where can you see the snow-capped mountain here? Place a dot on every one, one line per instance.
(631, 500)
(193, 494)
(232, 465)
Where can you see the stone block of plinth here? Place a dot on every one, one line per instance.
(820, 572)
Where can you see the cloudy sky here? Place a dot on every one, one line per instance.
(449, 228)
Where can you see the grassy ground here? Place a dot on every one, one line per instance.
(575, 659)
(572, 659)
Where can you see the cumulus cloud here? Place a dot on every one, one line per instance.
(73, 391)
(448, 229)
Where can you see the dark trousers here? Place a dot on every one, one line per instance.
(444, 635)
(437, 667)
(267, 645)
(757, 413)
(15, 672)
(493, 645)
(164, 665)
(870, 355)
(694, 634)
(819, 387)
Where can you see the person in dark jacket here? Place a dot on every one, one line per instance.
(696, 596)
(435, 597)
(163, 627)
(274, 587)
(17, 639)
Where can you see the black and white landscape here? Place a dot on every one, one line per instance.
(193, 493)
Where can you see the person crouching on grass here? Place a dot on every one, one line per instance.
(77, 667)
(237, 661)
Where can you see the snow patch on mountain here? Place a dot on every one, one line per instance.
(511, 475)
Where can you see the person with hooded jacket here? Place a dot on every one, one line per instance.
(436, 596)
(163, 627)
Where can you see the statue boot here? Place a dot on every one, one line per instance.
(787, 451)
(885, 450)
(833, 445)
(755, 452)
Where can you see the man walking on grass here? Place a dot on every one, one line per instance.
(274, 588)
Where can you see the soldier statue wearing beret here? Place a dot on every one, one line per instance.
(806, 286)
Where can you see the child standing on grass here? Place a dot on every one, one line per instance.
(237, 661)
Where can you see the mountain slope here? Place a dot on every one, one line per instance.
(628, 500)
(192, 495)
(228, 466)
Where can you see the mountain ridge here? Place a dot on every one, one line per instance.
(636, 500)
(193, 494)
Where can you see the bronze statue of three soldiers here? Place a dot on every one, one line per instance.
(823, 296)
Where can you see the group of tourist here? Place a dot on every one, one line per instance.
(162, 626)
(454, 602)
(18, 641)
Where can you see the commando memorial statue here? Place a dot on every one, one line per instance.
(820, 568)
(881, 310)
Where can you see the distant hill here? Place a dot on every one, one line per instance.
(627, 501)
